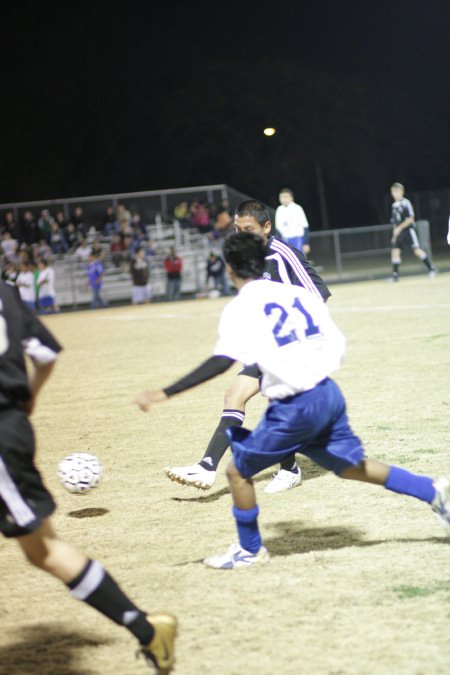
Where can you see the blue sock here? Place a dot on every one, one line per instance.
(247, 527)
(406, 483)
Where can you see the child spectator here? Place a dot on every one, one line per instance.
(95, 272)
(25, 284)
(83, 251)
(140, 275)
(46, 286)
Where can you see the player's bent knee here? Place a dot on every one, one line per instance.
(232, 473)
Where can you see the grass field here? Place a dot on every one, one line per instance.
(359, 578)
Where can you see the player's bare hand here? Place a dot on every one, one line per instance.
(148, 398)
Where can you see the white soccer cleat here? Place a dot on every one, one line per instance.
(432, 273)
(441, 501)
(235, 557)
(194, 475)
(283, 480)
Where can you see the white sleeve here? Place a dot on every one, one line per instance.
(38, 353)
(232, 340)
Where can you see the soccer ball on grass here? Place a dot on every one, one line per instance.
(80, 472)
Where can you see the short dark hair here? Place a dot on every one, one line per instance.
(245, 253)
(254, 208)
(287, 190)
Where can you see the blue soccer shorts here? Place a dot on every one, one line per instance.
(313, 423)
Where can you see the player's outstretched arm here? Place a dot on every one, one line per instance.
(210, 368)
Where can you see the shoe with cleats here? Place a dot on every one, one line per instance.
(441, 501)
(236, 556)
(194, 475)
(284, 480)
(160, 653)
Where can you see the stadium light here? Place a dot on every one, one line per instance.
(269, 131)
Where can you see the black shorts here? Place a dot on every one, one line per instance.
(251, 371)
(406, 239)
(24, 499)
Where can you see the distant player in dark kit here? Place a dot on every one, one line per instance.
(404, 233)
(25, 503)
(286, 265)
(290, 335)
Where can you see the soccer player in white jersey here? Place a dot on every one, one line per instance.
(404, 233)
(283, 264)
(291, 221)
(297, 346)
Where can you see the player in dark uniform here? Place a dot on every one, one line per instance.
(25, 503)
(284, 264)
(404, 233)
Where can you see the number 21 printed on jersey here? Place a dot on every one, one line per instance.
(286, 338)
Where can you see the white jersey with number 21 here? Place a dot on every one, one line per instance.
(286, 331)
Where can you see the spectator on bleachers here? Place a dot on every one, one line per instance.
(140, 277)
(45, 224)
(79, 221)
(60, 218)
(72, 238)
(116, 248)
(10, 225)
(215, 271)
(137, 240)
(124, 217)
(9, 246)
(83, 251)
(30, 232)
(25, 253)
(25, 284)
(182, 213)
(127, 250)
(138, 223)
(200, 217)
(98, 249)
(110, 222)
(173, 265)
(149, 247)
(58, 242)
(42, 250)
(10, 273)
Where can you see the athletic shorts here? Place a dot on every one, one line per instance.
(140, 294)
(24, 499)
(46, 301)
(313, 423)
(251, 371)
(407, 239)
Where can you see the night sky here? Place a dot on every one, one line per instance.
(107, 97)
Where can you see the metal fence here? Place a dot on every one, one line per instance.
(339, 255)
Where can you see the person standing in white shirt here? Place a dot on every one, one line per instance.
(291, 221)
(290, 335)
(46, 285)
(25, 284)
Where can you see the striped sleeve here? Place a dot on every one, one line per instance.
(299, 270)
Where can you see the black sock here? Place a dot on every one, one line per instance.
(289, 464)
(219, 441)
(96, 587)
(395, 269)
(426, 261)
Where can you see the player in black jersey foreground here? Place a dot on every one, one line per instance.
(284, 264)
(25, 503)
